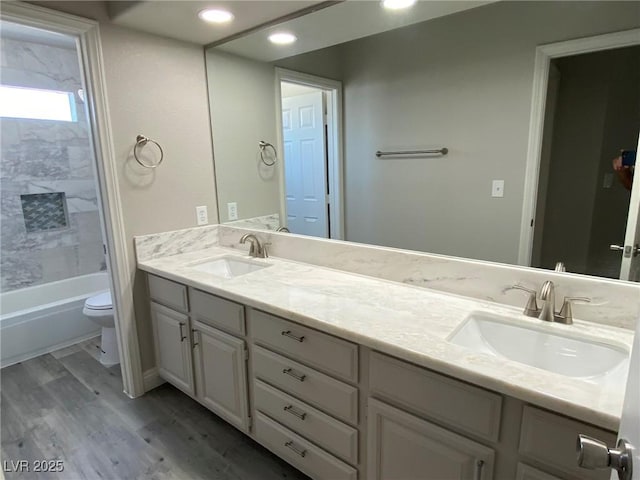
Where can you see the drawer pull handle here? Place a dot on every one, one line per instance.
(182, 337)
(479, 468)
(292, 411)
(287, 333)
(297, 376)
(302, 453)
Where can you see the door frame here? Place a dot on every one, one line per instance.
(89, 48)
(334, 141)
(544, 55)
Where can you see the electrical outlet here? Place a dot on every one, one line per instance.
(202, 215)
(497, 188)
(232, 210)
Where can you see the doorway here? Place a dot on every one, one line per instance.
(536, 209)
(310, 138)
(592, 114)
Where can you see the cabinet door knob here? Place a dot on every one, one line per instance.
(291, 373)
(299, 451)
(182, 337)
(294, 412)
(594, 454)
(287, 333)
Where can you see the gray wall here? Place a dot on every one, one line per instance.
(243, 112)
(463, 82)
(44, 156)
(155, 86)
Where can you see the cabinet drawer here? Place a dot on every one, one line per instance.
(319, 350)
(322, 391)
(168, 293)
(525, 472)
(468, 408)
(217, 312)
(304, 455)
(329, 433)
(550, 440)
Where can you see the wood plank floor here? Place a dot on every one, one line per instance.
(67, 406)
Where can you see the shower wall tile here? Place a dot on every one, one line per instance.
(41, 156)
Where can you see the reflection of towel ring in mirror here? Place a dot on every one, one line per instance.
(263, 146)
(141, 141)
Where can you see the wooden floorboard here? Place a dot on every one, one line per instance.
(67, 406)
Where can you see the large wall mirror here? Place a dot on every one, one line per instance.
(317, 135)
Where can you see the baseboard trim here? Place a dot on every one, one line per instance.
(152, 379)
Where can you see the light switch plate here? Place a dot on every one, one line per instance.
(202, 215)
(232, 210)
(497, 188)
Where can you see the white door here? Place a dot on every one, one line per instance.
(305, 167)
(630, 268)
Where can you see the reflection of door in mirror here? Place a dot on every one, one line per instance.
(305, 159)
(592, 112)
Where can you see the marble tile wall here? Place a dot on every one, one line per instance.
(44, 156)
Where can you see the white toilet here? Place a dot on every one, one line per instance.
(99, 308)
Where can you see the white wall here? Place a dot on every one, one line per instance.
(157, 87)
(462, 82)
(243, 112)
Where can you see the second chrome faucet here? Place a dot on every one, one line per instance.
(548, 311)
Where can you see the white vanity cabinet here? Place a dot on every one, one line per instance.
(173, 347)
(403, 446)
(338, 410)
(202, 360)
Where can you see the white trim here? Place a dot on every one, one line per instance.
(544, 54)
(152, 379)
(335, 141)
(90, 50)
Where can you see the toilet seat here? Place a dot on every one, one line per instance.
(101, 302)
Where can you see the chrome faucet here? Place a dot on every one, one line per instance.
(548, 311)
(256, 249)
(283, 229)
(548, 296)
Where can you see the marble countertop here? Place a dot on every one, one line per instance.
(411, 323)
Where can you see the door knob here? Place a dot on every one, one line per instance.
(594, 454)
(628, 249)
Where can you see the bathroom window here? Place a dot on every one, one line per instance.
(37, 104)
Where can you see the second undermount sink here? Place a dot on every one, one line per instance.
(567, 353)
(228, 267)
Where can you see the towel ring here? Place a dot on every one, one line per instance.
(141, 141)
(263, 146)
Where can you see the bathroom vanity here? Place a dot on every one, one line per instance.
(346, 376)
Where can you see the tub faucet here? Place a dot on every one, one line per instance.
(256, 249)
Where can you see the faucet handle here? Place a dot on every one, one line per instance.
(531, 309)
(566, 312)
(265, 252)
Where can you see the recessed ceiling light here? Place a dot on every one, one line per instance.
(215, 15)
(282, 38)
(397, 4)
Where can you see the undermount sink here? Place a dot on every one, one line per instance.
(567, 353)
(228, 267)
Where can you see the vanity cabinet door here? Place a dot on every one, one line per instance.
(173, 346)
(404, 447)
(221, 374)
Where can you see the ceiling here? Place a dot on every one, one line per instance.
(317, 24)
(340, 23)
(179, 19)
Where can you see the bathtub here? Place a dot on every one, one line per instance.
(41, 319)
